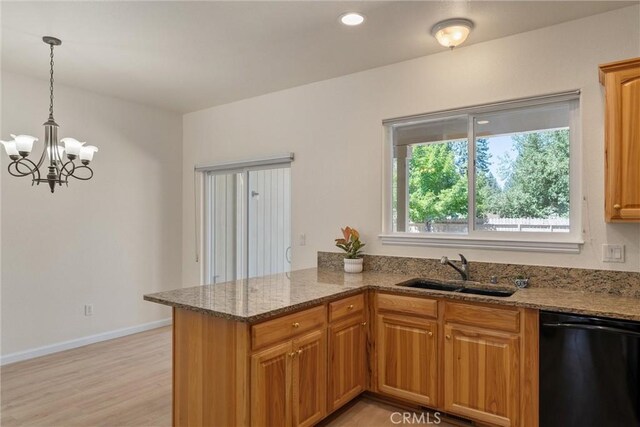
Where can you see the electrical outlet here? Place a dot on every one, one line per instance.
(88, 309)
(612, 253)
(303, 239)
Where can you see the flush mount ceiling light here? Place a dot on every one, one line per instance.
(482, 122)
(452, 32)
(59, 169)
(352, 19)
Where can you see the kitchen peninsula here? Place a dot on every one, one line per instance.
(289, 349)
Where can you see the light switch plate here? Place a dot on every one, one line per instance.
(612, 253)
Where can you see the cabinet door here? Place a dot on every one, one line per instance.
(347, 360)
(622, 196)
(407, 358)
(309, 378)
(271, 386)
(481, 374)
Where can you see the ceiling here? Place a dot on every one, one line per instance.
(185, 56)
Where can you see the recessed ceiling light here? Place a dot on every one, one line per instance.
(352, 19)
(452, 32)
(482, 122)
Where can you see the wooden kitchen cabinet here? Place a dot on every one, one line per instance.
(271, 386)
(407, 351)
(476, 360)
(288, 380)
(347, 359)
(621, 81)
(481, 374)
(309, 379)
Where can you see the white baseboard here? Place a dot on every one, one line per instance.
(79, 342)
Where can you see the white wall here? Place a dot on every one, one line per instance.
(334, 128)
(104, 242)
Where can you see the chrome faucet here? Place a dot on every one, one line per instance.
(464, 266)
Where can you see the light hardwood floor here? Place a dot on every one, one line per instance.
(122, 382)
(365, 412)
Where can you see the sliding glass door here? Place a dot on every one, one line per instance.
(269, 221)
(247, 223)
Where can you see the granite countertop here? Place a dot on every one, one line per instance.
(260, 298)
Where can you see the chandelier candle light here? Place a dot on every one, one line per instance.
(60, 168)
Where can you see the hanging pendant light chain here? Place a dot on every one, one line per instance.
(51, 86)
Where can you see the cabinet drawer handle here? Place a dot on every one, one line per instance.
(448, 337)
(299, 352)
(364, 323)
(292, 354)
(430, 333)
(616, 206)
(350, 307)
(296, 325)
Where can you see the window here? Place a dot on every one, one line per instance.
(502, 175)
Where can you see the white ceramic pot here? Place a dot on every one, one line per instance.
(353, 265)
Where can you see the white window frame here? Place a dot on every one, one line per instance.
(498, 240)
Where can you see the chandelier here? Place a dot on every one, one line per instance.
(61, 159)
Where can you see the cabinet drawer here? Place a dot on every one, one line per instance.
(425, 307)
(484, 317)
(346, 307)
(285, 327)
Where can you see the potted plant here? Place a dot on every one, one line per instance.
(352, 245)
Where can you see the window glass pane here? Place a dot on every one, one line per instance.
(522, 170)
(269, 221)
(430, 188)
(224, 209)
(447, 129)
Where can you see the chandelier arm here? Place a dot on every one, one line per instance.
(16, 167)
(36, 175)
(63, 175)
(24, 164)
(58, 156)
(66, 172)
(41, 160)
(31, 167)
(79, 177)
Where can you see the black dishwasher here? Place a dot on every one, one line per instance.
(589, 371)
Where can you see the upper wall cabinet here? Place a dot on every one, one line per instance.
(621, 81)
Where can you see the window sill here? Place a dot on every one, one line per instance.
(410, 239)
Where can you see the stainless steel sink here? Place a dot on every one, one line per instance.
(436, 286)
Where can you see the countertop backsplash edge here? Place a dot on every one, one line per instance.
(620, 283)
